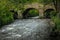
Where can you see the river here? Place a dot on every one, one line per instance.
(26, 29)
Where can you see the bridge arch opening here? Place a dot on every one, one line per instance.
(30, 12)
(15, 14)
(47, 13)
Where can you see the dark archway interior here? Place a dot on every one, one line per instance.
(25, 13)
(15, 14)
(47, 13)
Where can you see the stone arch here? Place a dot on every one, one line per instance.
(25, 13)
(47, 12)
(15, 14)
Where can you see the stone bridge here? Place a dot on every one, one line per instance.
(40, 7)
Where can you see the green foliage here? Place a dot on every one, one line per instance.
(33, 12)
(55, 19)
(57, 22)
(50, 13)
(5, 15)
(30, 1)
(47, 1)
(53, 14)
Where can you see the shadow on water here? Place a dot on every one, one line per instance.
(54, 36)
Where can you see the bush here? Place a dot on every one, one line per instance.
(5, 16)
(53, 14)
(56, 20)
(33, 13)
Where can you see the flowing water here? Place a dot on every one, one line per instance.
(26, 29)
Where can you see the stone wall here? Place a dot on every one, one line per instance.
(37, 6)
